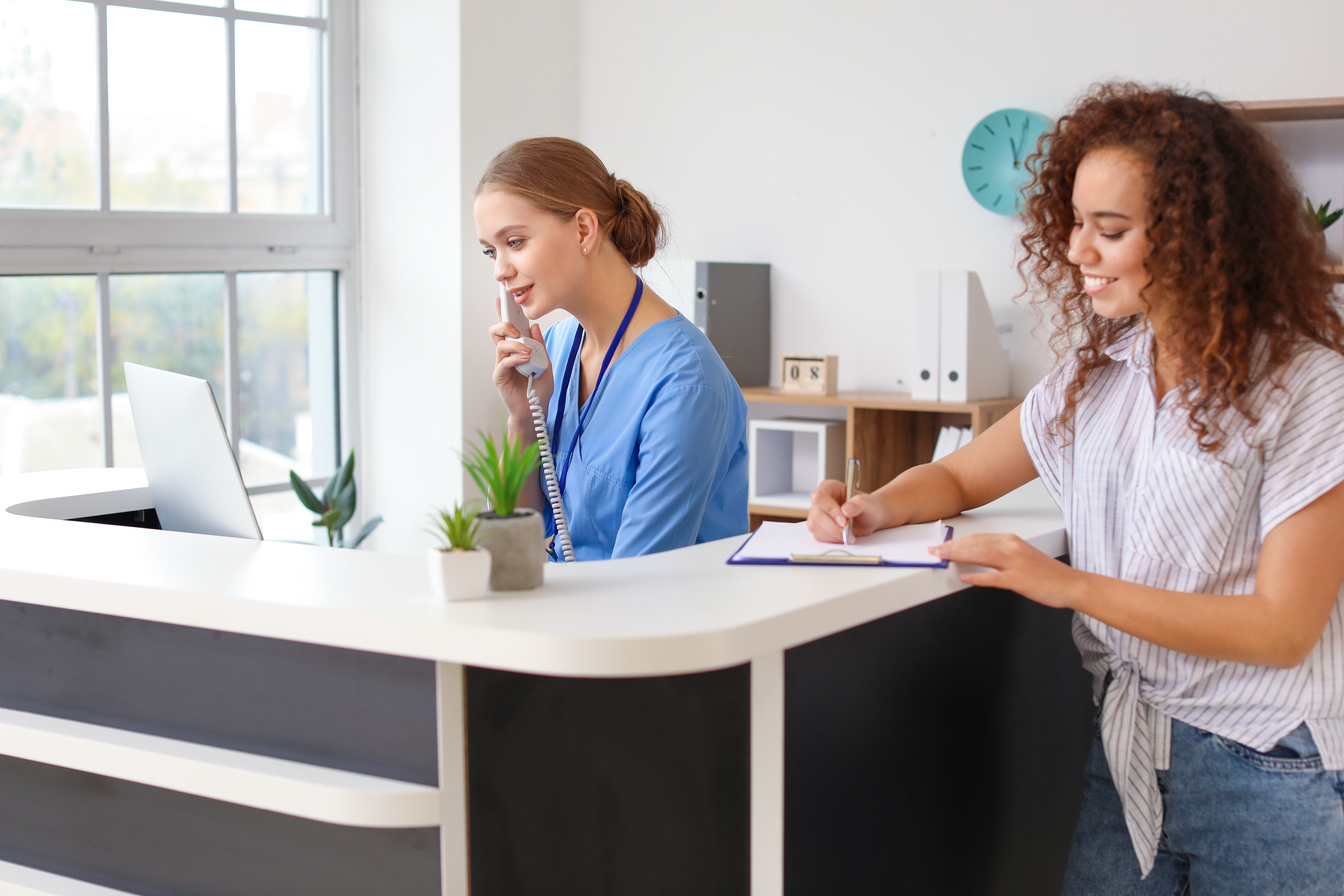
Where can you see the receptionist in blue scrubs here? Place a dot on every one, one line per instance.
(647, 426)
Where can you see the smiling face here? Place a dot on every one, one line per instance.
(537, 255)
(1108, 242)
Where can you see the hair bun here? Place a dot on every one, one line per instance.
(636, 227)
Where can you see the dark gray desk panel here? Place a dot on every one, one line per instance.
(937, 751)
(345, 709)
(609, 787)
(157, 842)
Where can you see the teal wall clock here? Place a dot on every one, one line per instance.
(993, 162)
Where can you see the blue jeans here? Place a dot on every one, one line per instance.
(1236, 822)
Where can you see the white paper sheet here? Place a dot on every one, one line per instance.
(784, 542)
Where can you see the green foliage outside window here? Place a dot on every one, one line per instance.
(47, 327)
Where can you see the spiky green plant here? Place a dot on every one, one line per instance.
(336, 507)
(500, 469)
(1322, 214)
(456, 529)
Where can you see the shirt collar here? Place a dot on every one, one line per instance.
(1134, 347)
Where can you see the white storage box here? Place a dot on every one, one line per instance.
(789, 456)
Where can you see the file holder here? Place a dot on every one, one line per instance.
(958, 355)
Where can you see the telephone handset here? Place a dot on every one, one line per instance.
(513, 313)
(534, 367)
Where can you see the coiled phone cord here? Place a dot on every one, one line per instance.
(551, 485)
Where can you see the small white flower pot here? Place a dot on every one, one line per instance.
(459, 575)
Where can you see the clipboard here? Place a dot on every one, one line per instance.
(790, 544)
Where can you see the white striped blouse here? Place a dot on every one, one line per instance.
(1142, 503)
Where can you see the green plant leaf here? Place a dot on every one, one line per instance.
(1322, 214)
(500, 469)
(339, 481)
(457, 528)
(331, 519)
(345, 504)
(365, 530)
(306, 496)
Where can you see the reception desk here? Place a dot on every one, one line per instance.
(190, 714)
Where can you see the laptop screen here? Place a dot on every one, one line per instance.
(193, 476)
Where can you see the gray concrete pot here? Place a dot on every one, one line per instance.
(517, 546)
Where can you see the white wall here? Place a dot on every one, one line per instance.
(443, 86)
(826, 138)
(519, 79)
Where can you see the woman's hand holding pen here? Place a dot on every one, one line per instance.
(830, 512)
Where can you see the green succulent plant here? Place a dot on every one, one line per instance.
(500, 469)
(456, 529)
(336, 507)
(1322, 214)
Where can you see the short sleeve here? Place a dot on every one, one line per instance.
(1304, 456)
(682, 440)
(1040, 409)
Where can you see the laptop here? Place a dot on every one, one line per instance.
(193, 476)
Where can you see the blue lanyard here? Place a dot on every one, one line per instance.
(592, 398)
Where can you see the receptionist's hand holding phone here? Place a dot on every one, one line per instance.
(511, 354)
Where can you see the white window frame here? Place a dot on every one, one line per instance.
(104, 242)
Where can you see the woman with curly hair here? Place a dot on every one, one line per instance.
(1192, 435)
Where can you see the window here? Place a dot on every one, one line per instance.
(176, 189)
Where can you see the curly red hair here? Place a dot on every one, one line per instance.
(1234, 254)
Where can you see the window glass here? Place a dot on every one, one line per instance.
(164, 146)
(307, 8)
(167, 111)
(171, 321)
(286, 373)
(48, 105)
(279, 118)
(282, 517)
(50, 415)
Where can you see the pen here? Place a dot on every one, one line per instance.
(851, 483)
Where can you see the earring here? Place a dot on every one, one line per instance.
(585, 250)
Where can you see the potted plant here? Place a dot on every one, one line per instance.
(1324, 218)
(459, 569)
(336, 507)
(514, 537)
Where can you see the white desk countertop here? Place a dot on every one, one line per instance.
(676, 612)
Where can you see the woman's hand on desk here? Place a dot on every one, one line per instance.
(830, 511)
(1012, 564)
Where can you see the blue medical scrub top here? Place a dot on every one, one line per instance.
(662, 461)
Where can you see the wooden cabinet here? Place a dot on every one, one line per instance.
(887, 431)
(1316, 109)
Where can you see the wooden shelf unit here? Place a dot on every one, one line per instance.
(1323, 108)
(1315, 109)
(887, 431)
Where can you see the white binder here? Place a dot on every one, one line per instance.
(924, 322)
(958, 341)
